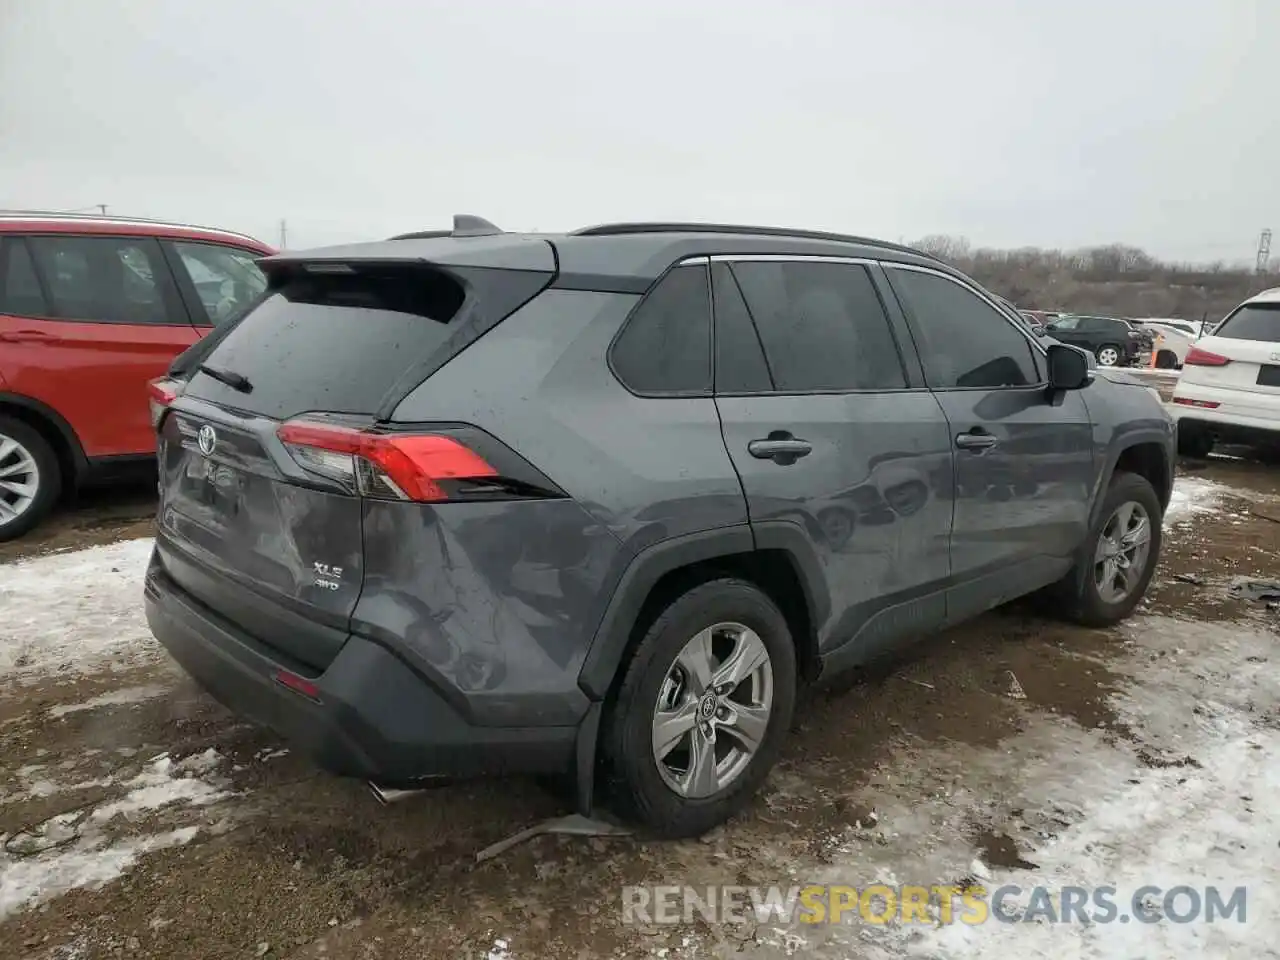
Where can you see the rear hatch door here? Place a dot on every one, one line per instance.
(270, 542)
(1243, 356)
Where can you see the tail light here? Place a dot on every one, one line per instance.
(160, 394)
(1197, 357)
(1204, 404)
(431, 466)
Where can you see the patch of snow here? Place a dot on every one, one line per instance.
(499, 951)
(43, 863)
(158, 786)
(75, 613)
(113, 698)
(1193, 496)
(28, 882)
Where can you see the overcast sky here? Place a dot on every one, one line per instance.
(1010, 122)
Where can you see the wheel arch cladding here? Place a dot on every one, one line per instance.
(1148, 459)
(50, 425)
(670, 568)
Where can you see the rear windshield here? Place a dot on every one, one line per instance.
(331, 342)
(1253, 321)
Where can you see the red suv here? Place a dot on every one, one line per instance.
(91, 309)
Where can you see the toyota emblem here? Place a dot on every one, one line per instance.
(207, 439)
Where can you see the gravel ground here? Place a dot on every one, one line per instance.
(139, 819)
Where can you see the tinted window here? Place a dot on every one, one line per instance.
(227, 280)
(822, 325)
(109, 279)
(1066, 323)
(665, 346)
(1253, 321)
(966, 342)
(19, 289)
(740, 364)
(333, 343)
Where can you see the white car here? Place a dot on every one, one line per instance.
(1172, 344)
(1193, 328)
(1230, 384)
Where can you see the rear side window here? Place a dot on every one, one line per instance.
(665, 347)
(822, 325)
(740, 363)
(965, 342)
(20, 293)
(226, 280)
(107, 279)
(1253, 321)
(335, 343)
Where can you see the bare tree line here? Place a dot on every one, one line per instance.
(1114, 280)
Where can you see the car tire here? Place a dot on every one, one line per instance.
(1081, 595)
(22, 448)
(1109, 355)
(646, 789)
(1194, 442)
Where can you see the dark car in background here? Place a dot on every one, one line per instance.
(1115, 343)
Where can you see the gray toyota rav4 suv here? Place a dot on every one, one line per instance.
(598, 503)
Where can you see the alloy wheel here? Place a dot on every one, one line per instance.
(1108, 356)
(1122, 552)
(19, 479)
(713, 710)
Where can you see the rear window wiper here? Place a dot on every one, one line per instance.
(236, 381)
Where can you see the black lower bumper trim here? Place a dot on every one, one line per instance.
(374, 719)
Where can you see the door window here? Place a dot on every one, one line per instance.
(20, 293)
(822, 325)
(965, 342)
(665, 347)
(226, 280)
(107, 279)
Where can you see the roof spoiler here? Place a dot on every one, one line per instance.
(464, 225)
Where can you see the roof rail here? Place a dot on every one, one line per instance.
(623, 229)
(113, 218)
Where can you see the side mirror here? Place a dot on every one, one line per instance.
(1068, 367)
(1038, 329)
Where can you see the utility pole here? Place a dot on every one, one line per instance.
(102, 207)
(1264, 250)
(284, 234)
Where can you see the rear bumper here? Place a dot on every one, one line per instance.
(375, 717)
(1231, 428)
(1241, 413)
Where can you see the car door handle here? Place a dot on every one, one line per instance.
(28, 336)
(975, 441)
(781, 449)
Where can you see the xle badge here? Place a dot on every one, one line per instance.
(327, 577)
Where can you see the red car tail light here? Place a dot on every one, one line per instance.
(1205, 404)
(161, 392)
(1197, 357)
(422, 466)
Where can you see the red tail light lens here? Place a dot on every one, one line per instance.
(1197, 357)
(160, 394)
(1205, 404)
(388, 466)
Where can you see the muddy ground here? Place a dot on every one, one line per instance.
(139, 819)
